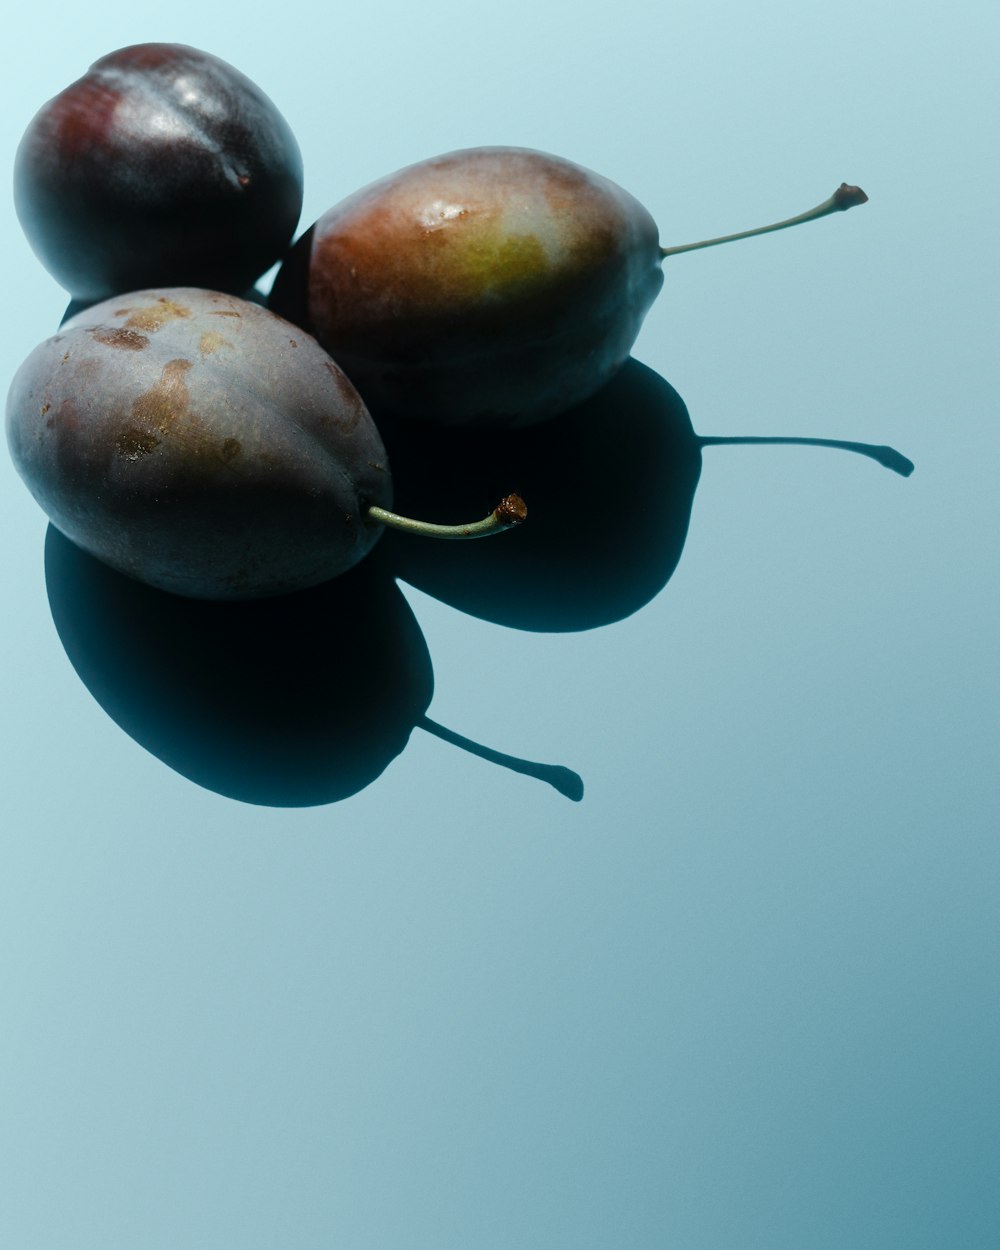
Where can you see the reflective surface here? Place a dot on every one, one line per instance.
(696, 944)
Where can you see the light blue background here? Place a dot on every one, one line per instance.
(746, 993)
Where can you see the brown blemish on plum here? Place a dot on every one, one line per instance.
(376, 465)
(128, 339)
(225, 312)
(161, 406)
(155, 316)
(211, 341)
(230, 448)
(132, 443)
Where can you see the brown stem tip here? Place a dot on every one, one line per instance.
(511, 511)
(843, 198)
(846, 197)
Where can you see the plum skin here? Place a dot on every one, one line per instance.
(200, 444)
(490, 286)
(162, 165)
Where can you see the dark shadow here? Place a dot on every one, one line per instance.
(288, 294)
(288, 702)
(294, 701)
(76, 306)
(609, 488)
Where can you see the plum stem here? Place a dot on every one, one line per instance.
(565, 780)
(889, 457)
(843, 198)
(509, 512)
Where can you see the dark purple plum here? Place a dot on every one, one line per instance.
(161, 166)
(491, 287)
(200, 444)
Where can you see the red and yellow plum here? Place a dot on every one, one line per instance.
(491, 287)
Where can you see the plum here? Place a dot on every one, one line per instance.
(205, 446)
(198, 443)
(161, 166)
(492, 286)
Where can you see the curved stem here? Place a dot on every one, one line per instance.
(843, 198)
(508, 513)
(889, 457)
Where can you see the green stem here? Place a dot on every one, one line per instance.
(887, 456)
(843, 198)
(508, 513)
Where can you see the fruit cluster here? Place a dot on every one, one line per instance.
(210, 446)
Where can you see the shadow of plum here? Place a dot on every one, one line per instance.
(609, 488)
(288, 702)
(295, 701)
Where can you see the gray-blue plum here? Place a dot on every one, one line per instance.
(161, 166)
(200, 444)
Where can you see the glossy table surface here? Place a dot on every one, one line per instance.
(628, 880)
